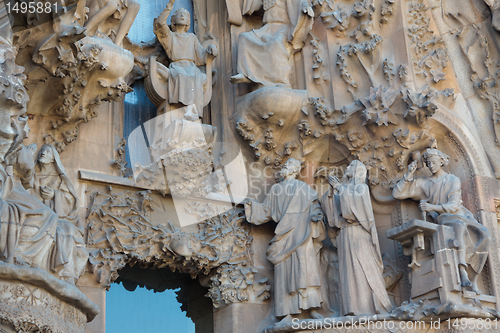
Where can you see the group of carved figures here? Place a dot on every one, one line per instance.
(345, 214)
(39, 224)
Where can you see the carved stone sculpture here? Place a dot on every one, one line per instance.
(53, 187)
(186, 85)
(264, 55)
(33, 240)
(295, 247)
(349, 212)
(123, 10)
(440, 196)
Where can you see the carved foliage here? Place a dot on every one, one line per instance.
(120, 233)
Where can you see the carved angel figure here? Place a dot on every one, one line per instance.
(186, 84)
(440, 196)
(349, 212)
(265, 54)
(125, 10)
(295, 247)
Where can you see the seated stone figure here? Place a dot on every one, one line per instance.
(28, 229)
(265, 54)
(440, 195)
(187, 85)
(53, 187)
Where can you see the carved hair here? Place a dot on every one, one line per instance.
(174, 18)
(297, 166)
(430, 152)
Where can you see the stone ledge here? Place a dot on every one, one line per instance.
(58, 288)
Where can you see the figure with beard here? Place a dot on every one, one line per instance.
(295, 247)
(349, 212)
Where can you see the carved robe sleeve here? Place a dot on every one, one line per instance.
(409, 190)
(259, 213)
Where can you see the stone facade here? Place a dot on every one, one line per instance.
(313, 165)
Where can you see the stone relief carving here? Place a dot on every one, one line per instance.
(286, 27)
(120, 13)
(294, 249)
(458, 236)
(86, 70)
(35, 240)
(347, 206)
(182, 84)
(120, 232)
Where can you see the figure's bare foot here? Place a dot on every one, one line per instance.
(464, 277)
(239, 78)
(315, 314)
(495, 19)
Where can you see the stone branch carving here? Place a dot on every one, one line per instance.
(70, 72)
(120, 233)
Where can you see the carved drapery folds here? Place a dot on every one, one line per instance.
(39, 243)
(120, 233)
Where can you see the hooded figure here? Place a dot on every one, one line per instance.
(349, 211)
(53, 187)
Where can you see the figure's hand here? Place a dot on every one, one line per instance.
(426, 207)
(308, 10)
(212, 50)
(46, 192)
(26, 157)
(333, 181)
(411, 170)
(32, 147)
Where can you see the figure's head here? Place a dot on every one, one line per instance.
(292, 167)
(356, 171)
(180, 18)
(48, 154)
(13, 99)
(435, 159)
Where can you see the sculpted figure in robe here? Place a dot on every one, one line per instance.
(53, 187)
(29, 233)
(349, 212)
(440, 197)
(298, 238)
(125, 10)
(265, 55)
(185, 81)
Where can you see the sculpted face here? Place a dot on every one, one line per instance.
(182, 17)
(46, 156)
(434, 163)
